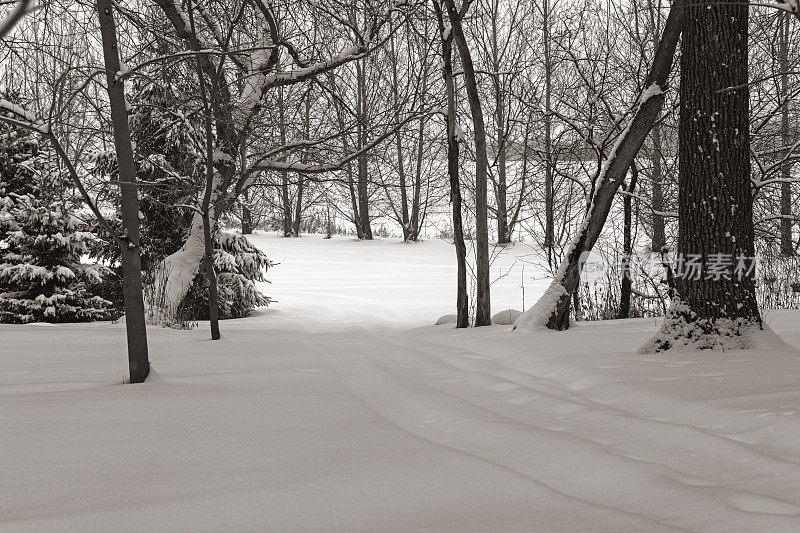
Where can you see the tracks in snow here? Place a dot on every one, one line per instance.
(625, 467)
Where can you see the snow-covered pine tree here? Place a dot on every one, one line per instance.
(239, 265)
(168, 139)
(42, 278)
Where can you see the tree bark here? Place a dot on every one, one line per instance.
(138, 360)
(659, 234)
(483, 308)
(208, 241)
(716, 201)
(715, 192)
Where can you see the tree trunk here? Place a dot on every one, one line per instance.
(549, 231)
(286, 202)
(659, 241)
(483, 308)
(715, 224)
(363, 137)
(405, 221)
(626, 283)
(552, 309)
(138, 361)
(503, 236)
(787, 246)
(247, 215)
(462, 298)
(208, 258)
(213, 291)
(659, 233)
(417, 212)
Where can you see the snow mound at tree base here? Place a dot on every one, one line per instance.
(538, 315)
(447, 319)
(506, 318)
(682, 332)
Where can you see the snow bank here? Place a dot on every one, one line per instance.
(383, 281)
(538, 315)
(679, 335)
(447, 319)
(506, 318)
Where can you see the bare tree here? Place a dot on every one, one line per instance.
(553, 308)
(453, 164)
(483, 308)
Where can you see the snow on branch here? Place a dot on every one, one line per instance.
(789, 6)
(24, 117)
(308, 168)
(23, 8)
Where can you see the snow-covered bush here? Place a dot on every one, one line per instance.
(239, 265)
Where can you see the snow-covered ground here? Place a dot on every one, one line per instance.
(342, 280)
(339, 409)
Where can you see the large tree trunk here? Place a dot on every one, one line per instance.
(138, 361)
(715, 194)
(552, 309)
(483, 308)
(462, 299)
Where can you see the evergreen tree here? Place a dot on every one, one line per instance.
(42, 278)
(239, 265)
(168, 137)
